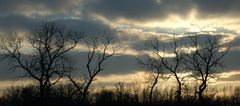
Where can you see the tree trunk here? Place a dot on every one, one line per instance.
(179, 90)
(85, 91)
(152, 88)
(47, 94)
(201, 90)
(41, 87)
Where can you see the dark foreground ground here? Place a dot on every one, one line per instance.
(66, 96)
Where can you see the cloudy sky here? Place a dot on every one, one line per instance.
(131, 22)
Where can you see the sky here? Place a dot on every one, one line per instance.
(131, 22)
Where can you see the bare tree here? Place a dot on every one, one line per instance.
(100, 49)
(156, 69)
(204, 58)
(171, 64)
(46, 61)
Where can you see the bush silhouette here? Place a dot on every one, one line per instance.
(63, 95)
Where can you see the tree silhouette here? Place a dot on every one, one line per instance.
(47, 60)
(157, 71)
(100, 49)
(205, 58)
(171, 64)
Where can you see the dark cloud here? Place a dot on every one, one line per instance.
(6, 73)
(149, 10)
(35, 7)
(235, 42)
(139, 10)
(16, 22)
(231, 61)
(235, 77)
(213, 8)
(85, 25)
(226, 31)
(166, 40)
(121, 64)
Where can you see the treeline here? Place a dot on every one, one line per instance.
(65, 95)
(42, 55)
